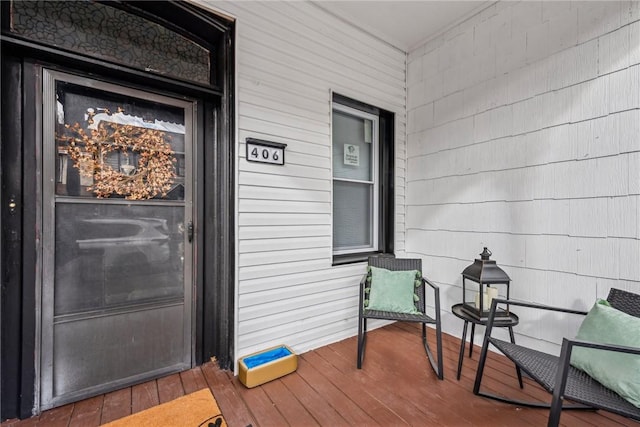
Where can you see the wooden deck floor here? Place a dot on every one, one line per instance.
(395, 387)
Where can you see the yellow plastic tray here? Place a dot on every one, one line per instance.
(269, 371)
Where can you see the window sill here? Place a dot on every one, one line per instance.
(354, 258)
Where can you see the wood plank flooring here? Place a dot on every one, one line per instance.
(395, 387)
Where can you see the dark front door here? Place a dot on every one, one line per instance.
(117, 303)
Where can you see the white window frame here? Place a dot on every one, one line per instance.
(375, 168)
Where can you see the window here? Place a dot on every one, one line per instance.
(362, 180)
(355, 181)
(105, 32)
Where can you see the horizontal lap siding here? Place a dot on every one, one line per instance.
(290, 56)
(524, 136)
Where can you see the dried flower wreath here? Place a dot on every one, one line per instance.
(150, 177)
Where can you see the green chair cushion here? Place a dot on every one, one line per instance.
(619, 372)
(393, 291)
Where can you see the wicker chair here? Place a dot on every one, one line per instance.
(398, 264)
(554, 373)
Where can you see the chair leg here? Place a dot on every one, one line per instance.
(560, 384)
(518, 371)
(462, 344)
(439, 335)
(481, 362)
(436, 364)
(362, 338)
(439, 350)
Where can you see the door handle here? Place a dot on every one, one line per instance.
(190, 231)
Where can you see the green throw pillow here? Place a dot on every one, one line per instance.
(618, 371)
(393, 290)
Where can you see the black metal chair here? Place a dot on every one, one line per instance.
(402, 264)
(554, 373)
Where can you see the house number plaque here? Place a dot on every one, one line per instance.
(262, 151)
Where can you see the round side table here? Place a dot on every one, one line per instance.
(502, 322)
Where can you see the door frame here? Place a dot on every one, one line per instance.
(215, 263)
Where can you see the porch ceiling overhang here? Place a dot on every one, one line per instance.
(403, 24)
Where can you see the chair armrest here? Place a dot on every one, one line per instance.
(510, 302)
(563, 370)
(436, 297)
(363, 283)
(430, 283)
(567, 348)
(599, 346)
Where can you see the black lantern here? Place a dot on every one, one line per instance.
(485, 273)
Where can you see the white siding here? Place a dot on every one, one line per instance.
(523, 136)
(290, 57)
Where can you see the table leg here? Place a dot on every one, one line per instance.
(473, 333)
(513, 341)
(462, 342)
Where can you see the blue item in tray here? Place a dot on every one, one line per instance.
(266, 357)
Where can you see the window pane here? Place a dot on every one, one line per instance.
(115, 146)
(352, 220)
(352, 146)
(110, 255)
(102, 31)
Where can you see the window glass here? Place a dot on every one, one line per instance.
(352, 147)
(111, 255)
(102, 31)
(355, 207)
(352, 215)
(114, 146)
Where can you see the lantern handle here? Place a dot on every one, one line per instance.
(486, 253)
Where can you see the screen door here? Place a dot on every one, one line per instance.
(117, 230)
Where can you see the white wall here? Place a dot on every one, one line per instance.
(290, 56)
(524, 136)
